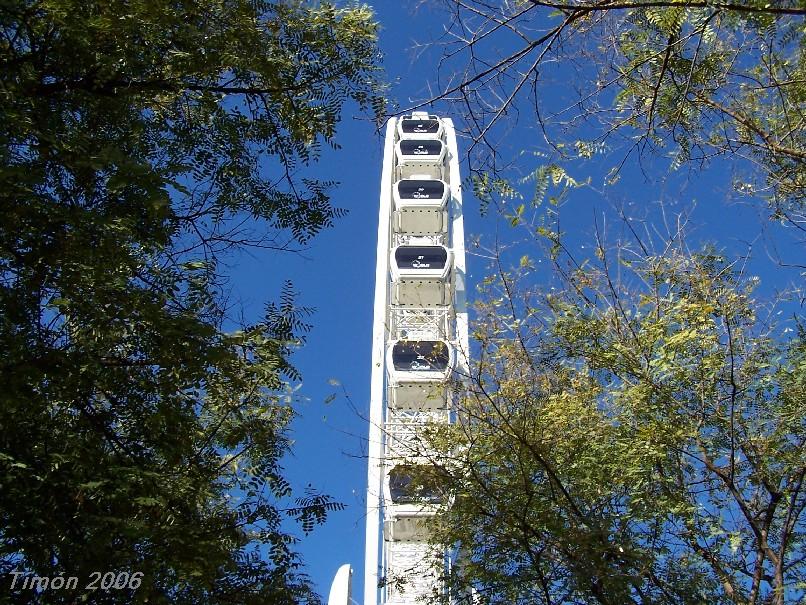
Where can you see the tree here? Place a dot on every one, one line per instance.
(635, 437)
(633, 429)
(140, 141)
(693, 80)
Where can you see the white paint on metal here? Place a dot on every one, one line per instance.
(377, 385)
(458, 247)
(423, 307)
(340, 589)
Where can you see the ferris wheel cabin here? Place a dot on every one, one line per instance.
(419, 329)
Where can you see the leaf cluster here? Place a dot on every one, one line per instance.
(637, 440)
(139, 142)
(694, 81)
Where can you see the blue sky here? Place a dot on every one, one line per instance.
(335, 274)
(338, 279)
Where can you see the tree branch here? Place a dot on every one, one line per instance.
(750, 125)
(605, 5)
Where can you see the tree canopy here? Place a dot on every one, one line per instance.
(632, 429)
(690, 80)
(632, 439)
(139, 141)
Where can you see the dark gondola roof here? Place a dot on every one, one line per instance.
(420, 189)
(421, 257)
(420, 147)
(403, 489)
(417, 126)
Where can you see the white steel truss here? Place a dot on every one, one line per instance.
(413, 569)
(420, 323)
(424, 308)
(402, 432)
(419, 343)
(403, 239)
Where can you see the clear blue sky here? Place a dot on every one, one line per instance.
(336, 276)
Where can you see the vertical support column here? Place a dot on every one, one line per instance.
(419, 338)
(378, 385)
(460, 269)
(458, 246)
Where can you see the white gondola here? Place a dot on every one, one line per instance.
(426, 293)
(420, 225)
(419, 361)
(421, 210)
(420, 262)
(420, 125)
(420, 191)
(419, 396)
(412, 527)
(420, 156)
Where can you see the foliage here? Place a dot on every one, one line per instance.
(693, 80)
(636, 436)
(139, 141)
(711, 80)
(634, 427)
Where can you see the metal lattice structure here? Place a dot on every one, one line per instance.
(419, 341)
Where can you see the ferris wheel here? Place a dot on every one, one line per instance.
(420, 345)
